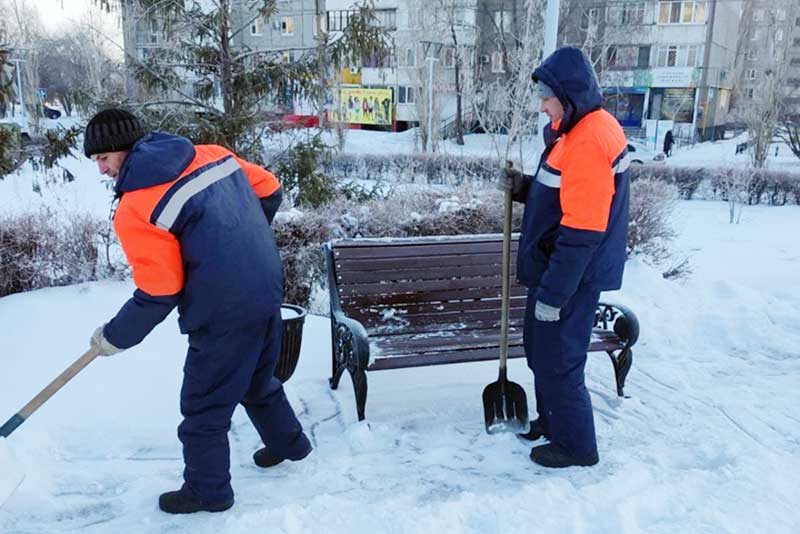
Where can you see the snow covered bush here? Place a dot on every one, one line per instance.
(651, 204)
(43, 249)
(773, 187)
(413, 168)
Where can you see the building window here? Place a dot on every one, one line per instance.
(796, 41)
(464, 17)
(502, 20)
(408, 58)
(255, 26)
(750, 74)
(644, 57)
(633, 14)
(758, 15)
(386, 18)
(755, 36)
(748, 92)
(497, 62)
(337, 20)
(678, 55)
(795, 61)
(147, 31)
(611, 56)
(779, 35)
(450, 57)
(287, 25)
(406, 95)
(752, 55)
(780, 14)
(681, 12)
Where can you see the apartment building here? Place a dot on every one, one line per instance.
(663, 64)
(769, 48)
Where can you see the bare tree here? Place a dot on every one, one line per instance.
(507, 104)
(760, 107)
(789, 132)
(75, 68)
(456, 20)
(735, 186)
(24, 35)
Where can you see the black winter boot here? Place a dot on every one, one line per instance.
(184, 501)
(551, 455)
(263, 458)
(537, 431)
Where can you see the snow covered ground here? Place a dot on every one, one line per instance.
(708, 440)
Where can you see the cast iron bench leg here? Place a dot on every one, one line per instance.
(359, 377)
(622, 364)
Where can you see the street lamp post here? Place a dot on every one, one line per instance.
(431, 50)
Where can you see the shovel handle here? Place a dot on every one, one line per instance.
(50, 390)
(506, 284)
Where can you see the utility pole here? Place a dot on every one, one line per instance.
(706, 60)
(550, 40)
(432, 50)
(18, 62)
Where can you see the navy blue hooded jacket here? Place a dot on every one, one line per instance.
(193, 227)
(574, 229)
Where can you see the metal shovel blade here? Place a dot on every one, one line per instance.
(11, 474)
(505, 408)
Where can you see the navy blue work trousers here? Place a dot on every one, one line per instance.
(556, 353)
(224, 368)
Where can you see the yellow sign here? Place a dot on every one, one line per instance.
(364, 106)
(349, 77)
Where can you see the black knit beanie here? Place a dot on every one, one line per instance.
(112, 130)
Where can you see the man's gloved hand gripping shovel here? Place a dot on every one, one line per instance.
(505, 405)
(11, 475)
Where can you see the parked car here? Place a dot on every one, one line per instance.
(641, 154)
(51, 113)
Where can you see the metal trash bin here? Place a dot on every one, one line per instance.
(293, 319)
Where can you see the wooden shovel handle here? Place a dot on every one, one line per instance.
(506, 284)
(48, 391)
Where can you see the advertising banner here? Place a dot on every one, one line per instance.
(364, 106)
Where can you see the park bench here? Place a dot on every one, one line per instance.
(412, 302)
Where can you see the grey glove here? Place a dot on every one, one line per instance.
(510, 179)
(546, 313)
(101, 344)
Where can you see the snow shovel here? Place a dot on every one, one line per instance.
(505, 406)
(11, 475)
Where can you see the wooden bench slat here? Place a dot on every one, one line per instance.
(466, 294)
(419, 273)
(442, 322)
(411, 250)
(388, 264)
(462, 339)
(393, 348)
(438, 358)
(433, 307)
(422, 286)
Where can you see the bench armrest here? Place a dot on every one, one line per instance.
(619, 319)
(350, 339)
